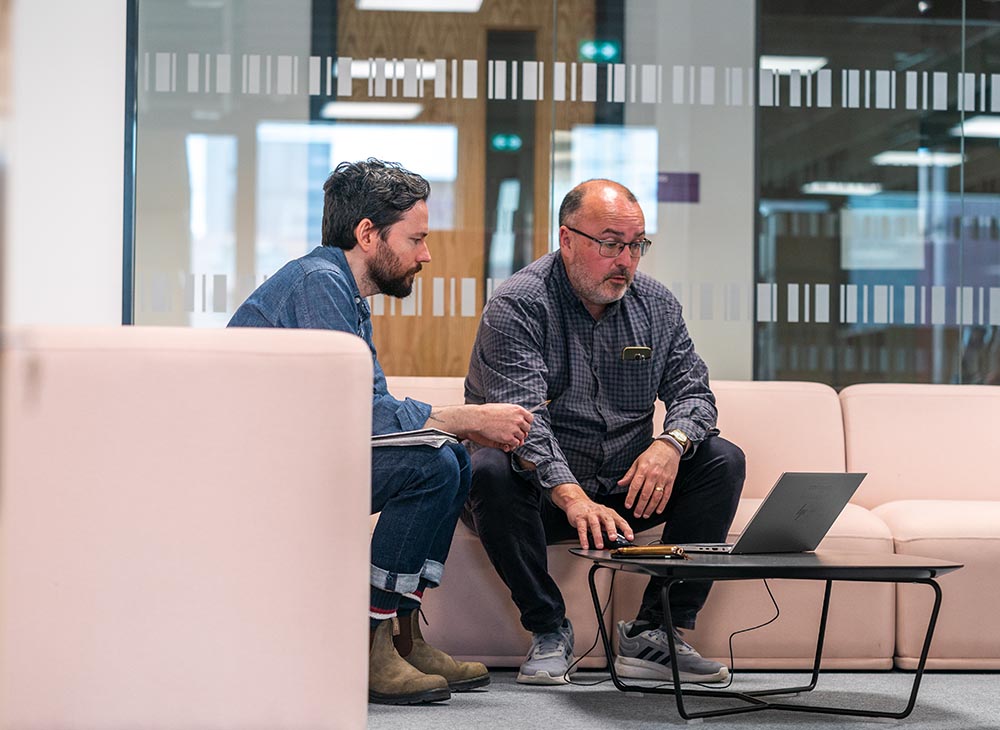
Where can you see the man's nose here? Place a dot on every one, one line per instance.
(424, 253)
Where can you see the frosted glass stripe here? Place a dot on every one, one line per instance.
(499, 79)
(619, 84)
(409, 77)
(572, 82)
(468, 297)
(648, 84)
(440, 78)
(315, 75)
(909, 305)
(995, 92)
(588, 80)
(795, 88)
(940, 91)
(253, 74)
(707, 85)
(437, 296)
(994, 305)
(223, 73)
(559, 81)
(851, 303)
(380, 87)
(529, 80)
(162, 77)
(765, 94)
(822, 295)
(284, 80)
(911, 89)
(765, 296)
(967, 93)
(513, 80)
(824, 88)
(966, 300)
(678, 87)
(937, 305)
(194, 77)
(880, 295)
(793, 302)
(470, 68)
(883, 85)
(706, 301)
(219, 293)
(377, 303)
(853, 76)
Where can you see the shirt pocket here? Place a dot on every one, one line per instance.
(631, 388)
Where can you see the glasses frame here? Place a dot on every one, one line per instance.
(636, 249)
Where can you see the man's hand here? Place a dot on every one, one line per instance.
(650, 479)
(588, 517)
(499, 425)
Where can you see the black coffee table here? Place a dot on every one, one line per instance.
(825, 566)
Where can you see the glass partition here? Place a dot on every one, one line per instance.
(817, 178)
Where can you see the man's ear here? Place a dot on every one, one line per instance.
(365, 234)
(564, 239)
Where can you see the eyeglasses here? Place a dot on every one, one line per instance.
(613, 249)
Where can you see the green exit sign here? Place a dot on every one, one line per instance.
(600, 51)
(506, 142)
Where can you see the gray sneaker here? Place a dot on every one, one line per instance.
(549, 658)
(645, 654)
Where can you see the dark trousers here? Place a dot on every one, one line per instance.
(515, 521)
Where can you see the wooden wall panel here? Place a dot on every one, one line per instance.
(424, 344)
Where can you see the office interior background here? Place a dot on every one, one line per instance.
(820, 180)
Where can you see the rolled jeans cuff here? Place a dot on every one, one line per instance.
(432, 572)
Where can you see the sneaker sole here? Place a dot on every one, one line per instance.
(439, 694)
(630, 668)
(542, 678)
(466, 684)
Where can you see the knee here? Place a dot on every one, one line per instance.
(491, 476)
(730, 461)
(446, 468)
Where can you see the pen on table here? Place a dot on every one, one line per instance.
(539, 406)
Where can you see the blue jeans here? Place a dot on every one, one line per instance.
(515, 521)
(420, 492)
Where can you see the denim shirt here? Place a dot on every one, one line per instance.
(318, 291)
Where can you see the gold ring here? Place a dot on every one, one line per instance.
(657, 489)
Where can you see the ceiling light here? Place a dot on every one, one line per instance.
(784, 65)
(980, 126)
(427, 6)
(918, 158)
(825, 187)
(370, 110)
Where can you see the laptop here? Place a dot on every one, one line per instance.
(794, 517)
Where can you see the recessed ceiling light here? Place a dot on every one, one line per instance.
(786, 64)
(983, 125)
(918, 158)
(427, 6)
(370, 110)
(826, 187)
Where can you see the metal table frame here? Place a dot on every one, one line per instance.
(675, 571)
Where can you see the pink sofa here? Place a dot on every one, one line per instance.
(792, 426)
(183, 529)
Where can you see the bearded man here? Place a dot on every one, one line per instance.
(375, 228)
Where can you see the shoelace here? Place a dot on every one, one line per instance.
(660, 636)
(549, 645)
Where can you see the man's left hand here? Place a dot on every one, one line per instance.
(650, 479)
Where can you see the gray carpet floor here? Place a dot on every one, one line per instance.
(947, 701)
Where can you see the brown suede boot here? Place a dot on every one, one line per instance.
(391, 681)
(461, 676)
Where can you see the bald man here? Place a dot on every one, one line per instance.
(582, 329)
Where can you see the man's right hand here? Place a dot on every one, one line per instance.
(498, 425)
(588, 517)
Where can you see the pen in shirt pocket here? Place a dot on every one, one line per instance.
(540, 406)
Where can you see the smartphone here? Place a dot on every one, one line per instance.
(637, 352)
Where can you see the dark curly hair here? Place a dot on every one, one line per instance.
(379, 191)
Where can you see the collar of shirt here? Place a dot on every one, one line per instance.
(335, 255)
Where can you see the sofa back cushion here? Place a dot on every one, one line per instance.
(922, 441)
(781, 426)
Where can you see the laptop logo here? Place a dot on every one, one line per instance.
(802, 512)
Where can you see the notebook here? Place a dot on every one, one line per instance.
(794, 517)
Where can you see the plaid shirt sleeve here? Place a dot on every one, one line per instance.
(684, 388)
(510, 368)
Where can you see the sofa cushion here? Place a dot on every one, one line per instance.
(922, 441)
(967, 532)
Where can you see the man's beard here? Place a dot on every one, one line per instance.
(385, 272)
